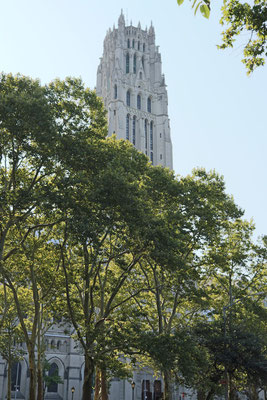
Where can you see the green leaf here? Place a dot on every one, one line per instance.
(197, 8)
(205, 11)
(180, 2)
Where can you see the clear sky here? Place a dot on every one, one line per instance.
(217, 113)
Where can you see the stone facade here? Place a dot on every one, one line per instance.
(63, 353)
(130, 81)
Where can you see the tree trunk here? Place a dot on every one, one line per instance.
(104, 389)
(210, 394)
(201, 395)
(226, 389)
(40, 352)
(101, 390)
(97, 384)
(232, 391)
(254, 392)
(32, 368)
(167, 385)
(88, 377)
(40, 390)
(30, 341)
(9, 366)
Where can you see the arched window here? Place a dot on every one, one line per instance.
(115, 92)
(65, 347)
(15, 377)
(143, 62)
(127, 63)
(138, 45)
(140, 75)
(146, 136)
(149, 104)
(139, 102)
(134, 64)
(144, 47)
(133, 43)
(52, 344)
(53, 373)
(151, 136)
(128, 43)
(128, 98)
(128, 127)
(157, 389)
(59, 345)
(146, 393)
(134, 129)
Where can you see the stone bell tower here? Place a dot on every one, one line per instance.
(131, 83)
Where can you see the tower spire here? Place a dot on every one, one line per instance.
(151, 31)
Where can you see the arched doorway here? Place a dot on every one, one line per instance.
(53, 379)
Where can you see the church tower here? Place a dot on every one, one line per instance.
(130, 81)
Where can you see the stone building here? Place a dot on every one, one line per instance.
(131, 83)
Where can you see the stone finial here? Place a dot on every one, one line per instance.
(139, 25)
(151, 30)
(121, 20)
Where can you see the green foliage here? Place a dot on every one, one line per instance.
(244, 18)
(49, 378)
(236, 289)
(35, 122)
(133, 256)
(202, 5)
(10, 330)
(241, 351)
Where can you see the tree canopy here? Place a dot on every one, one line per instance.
(148, 267)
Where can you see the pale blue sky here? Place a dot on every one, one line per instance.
(217, 113)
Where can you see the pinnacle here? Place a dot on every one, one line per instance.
(121, 20)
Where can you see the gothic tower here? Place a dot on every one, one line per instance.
(130, 81)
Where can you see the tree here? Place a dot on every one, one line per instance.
(108, 211)
(194, 208)
(241, 18)
(26, 154)
(88, 226)
(34, 123)
(240, 350)
(236, 288)
(10, 332)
